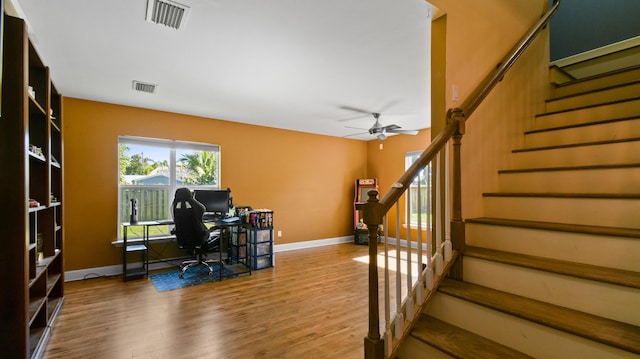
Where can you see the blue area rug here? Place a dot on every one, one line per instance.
(198, 275)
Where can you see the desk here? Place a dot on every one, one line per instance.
(225, 254)
(129, 249)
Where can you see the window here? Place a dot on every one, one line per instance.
(421, 183)
(150, 170)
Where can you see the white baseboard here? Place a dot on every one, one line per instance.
(109, 271)
(113, 270)
(89, 273)
(311, 244)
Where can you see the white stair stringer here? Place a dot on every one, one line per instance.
(594, 297)
(531, 338)
(621, 252)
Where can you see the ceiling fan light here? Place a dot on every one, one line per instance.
(382, 136)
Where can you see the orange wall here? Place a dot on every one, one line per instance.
(478, 35)
(306, 179)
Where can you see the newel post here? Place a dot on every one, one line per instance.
(372, 217)
(457, 224)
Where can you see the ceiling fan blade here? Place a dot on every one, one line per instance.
(351, 118)
(357, 128)
(385, 107)
(355, 109)
(391, 127)
(404, 132)
(356, 134)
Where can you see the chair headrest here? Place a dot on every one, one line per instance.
(183, 194)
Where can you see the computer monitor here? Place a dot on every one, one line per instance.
(214, 201)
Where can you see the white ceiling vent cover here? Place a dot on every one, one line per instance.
(144, 87)
(168, 13)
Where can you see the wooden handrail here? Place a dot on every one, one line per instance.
(398, 188)
(374, 210)
(485, 87)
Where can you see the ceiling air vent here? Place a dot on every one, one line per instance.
(144, 87)
(168, 13)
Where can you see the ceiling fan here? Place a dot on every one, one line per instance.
(381, 131)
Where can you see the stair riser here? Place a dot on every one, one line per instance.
(588, 115)
(583, 134)
(530, 338)
(586, 211)
(604, 154)
(415, 349)
(618, 180)
(602, 299)
(594, 98)
(595, 84)
(621, 253)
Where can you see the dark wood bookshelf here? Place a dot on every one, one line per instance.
(31, 258)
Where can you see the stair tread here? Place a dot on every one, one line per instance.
(562, 227)
(621, 101)
(581, 144)
(571, 168)
(610, 332)
(458, 342)
(563, 195)
(585, 124)
(598, 76)
(593, 91)
(579, 270)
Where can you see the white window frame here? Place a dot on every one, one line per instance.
(172, 146)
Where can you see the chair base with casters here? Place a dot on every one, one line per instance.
(199, 256)
(185, 265)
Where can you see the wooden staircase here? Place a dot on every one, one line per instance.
(553, 269)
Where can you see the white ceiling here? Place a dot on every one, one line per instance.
(292, 64)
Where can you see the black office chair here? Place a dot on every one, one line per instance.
(191, 234)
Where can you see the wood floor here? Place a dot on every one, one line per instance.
(312, 304)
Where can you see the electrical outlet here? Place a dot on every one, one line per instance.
(279, 233)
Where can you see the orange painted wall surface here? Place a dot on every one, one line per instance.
(306, 179)
(478, 35)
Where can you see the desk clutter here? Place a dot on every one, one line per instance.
(254, 238)
(257, 218)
